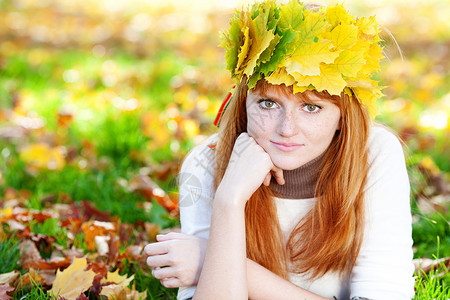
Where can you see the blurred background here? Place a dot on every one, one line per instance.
(101, 100)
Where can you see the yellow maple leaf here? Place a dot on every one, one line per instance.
(118, 279)
(42, 156)
(343, 36)
(367, 26)
(261, 39)
(280, 76)
(373, 57)
(337, 14)
(299, 89)
(349, 63)
(330, 79)
(302, 80)
(291, 16)
(361, 81)
(114, 291)
(310, 29)
(118, 292)
(306, 60)
(74, 280)
(243, 51)
(370, 96)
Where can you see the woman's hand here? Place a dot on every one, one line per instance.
(248, 168)
(177, 259)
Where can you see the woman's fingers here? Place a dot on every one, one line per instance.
(163, 273)
(172, 236)
(155, 261)
(156, 249)
(266, 181)
(171, 282)
(278, 174)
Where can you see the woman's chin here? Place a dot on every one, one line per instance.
(287, 164)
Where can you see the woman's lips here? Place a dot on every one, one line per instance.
(287, 147)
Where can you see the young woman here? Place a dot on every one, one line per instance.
(299, 195)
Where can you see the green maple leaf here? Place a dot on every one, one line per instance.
(267, 54)
(231, 42)
(278, 53)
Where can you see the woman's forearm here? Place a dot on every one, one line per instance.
(224, 272)
(263, 284)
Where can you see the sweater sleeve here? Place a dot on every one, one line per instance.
(384, 268)
(196, 193)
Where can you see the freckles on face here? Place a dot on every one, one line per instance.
(292, 131)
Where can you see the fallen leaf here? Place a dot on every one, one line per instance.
(93, 213)
(4, 288)
(93, 229)
(144, 185)
(30, 253)
(9, 277)
(29, 278)
(118, 279)
(55, 263)
(74, 280)
(42, 156)
(427, 264)
(114, 291)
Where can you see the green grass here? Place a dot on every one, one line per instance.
(33, 291)
(427, 231)
(51, 228)
(433, 286)
(9, 255)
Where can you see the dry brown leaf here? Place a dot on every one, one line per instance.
(30, 253)
(427, 264)
(74, 280)
(9, 277)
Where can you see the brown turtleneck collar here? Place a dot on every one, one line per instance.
(300, 183)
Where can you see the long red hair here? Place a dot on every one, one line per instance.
(329, 237)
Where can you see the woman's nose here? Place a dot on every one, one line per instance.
(288, 125)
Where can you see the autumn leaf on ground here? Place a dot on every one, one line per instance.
(74, 280)
(4, 288)
(118, 279)
(32, 277)
(9, 277)
(95, 229)
(118, 292)
(41, 156)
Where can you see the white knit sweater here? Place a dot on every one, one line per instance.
(384, 266)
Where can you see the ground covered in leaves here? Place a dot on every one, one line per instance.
(100, 102)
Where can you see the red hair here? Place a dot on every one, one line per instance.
(328, 238)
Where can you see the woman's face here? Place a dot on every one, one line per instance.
(292, 129)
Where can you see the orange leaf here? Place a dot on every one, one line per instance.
(92, 229)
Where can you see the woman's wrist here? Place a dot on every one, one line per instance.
(229, 199)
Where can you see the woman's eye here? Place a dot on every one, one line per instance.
(265, 103)
(311, 108)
